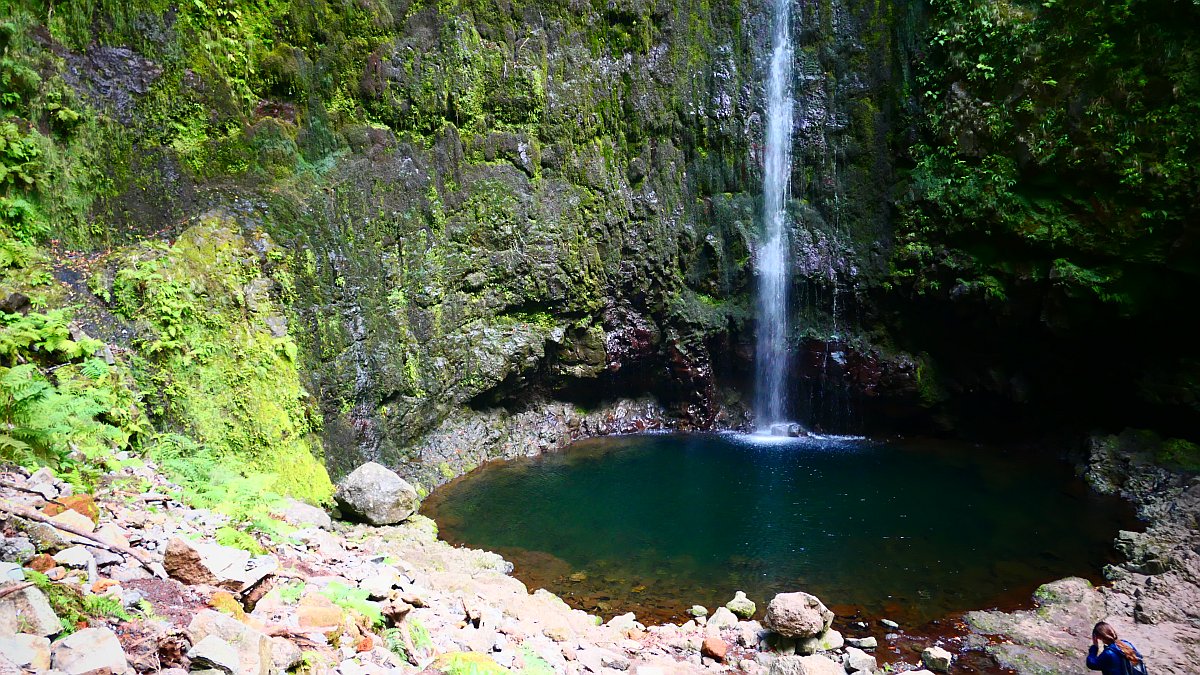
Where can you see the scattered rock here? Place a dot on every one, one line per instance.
(89, 651)
(11, 572)
(868, 642)
(285, 655)
(27, 611)
(84, 505)
(299, 514)
(828, 641)
(215, 565)
(798, 615)
(889, 623)
(253, 648)
(936, 659)
(698, 611)
(75, 557)
(377, 495)
(75, 520)
(722, 618)
(213, 652)
(741, 606)
(805, 665)
(16, 549)
(714, 648)
(31, 652)
(858, 661)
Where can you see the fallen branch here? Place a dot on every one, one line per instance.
(92, 539)
(13, 589)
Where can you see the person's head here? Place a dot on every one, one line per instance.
(1105, 633)
(1108, 635)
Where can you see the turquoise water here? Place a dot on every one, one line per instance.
(908, 530)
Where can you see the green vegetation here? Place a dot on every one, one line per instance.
(468, 663)
(354, 600)
(74, 609)
(1059, 144)
(59, 405)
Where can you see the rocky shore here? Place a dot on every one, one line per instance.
(129, 580)
(1153, 598)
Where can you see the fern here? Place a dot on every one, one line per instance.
(104, 606)
(354, 600)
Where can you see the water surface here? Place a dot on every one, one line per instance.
(909, 530)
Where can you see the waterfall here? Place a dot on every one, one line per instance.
(771, 360)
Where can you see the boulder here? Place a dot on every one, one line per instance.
(89, 651)
(75, 557)
(722, 618)
(805, 665)
(215, 653)
(798, 615)
(698, 610)
(302, 515)
(254, 651)
(27, 611)
(215, 565)
(76, 520)
(375, 494)
(31, 652)
(858, 661)
(285, 654)
(741, 606)
(11, 572)
(828, 641)
(936, 659)
(624, 622)
(16, 549)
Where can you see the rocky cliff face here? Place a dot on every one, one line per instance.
(472, 206)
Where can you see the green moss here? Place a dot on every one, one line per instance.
(219, 371)
(1179, 453)
(468, 663)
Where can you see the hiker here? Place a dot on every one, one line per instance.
(1112, 656)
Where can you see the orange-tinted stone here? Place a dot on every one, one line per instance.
(82, 504)
(42, 562)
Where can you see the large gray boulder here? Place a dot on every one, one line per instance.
(805, 665)
(253, 650)
(91, 650)
(375, 494)
(798, 615)
(27, 611)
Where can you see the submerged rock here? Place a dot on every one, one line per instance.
(798, 615)
(375, 494)
(741, 606)
(936, 659)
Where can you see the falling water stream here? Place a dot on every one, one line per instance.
(771, 361)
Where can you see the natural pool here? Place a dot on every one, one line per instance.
(911, 530)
